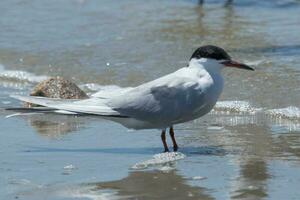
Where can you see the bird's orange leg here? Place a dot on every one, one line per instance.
(163, 139)
(172, 134)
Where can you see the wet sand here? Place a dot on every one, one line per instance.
(64, 157)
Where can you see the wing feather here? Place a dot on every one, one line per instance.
(163, 101)
(89, 106)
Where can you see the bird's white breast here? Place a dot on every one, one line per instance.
(209, 85)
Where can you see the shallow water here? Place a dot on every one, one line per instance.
(247, 148)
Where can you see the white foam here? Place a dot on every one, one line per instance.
(90, 193)
(20, 75)
(166, 169)
(198, 178)
(159, 159)
(14, 85)
(69, 167)
(235, 106)
(215, 128)
(290, 112)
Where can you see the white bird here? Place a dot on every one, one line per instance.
(181, 96)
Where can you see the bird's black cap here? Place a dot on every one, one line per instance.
(212, 52)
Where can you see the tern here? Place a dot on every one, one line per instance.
(182, 96)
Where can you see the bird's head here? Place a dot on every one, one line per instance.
(215, 58)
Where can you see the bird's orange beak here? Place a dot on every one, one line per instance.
(231, 63)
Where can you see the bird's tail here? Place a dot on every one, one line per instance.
(94, 106)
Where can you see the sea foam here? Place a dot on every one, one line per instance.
(290, 112)
(235, 106)
(244, 107)
(20, 75)
(159, 159)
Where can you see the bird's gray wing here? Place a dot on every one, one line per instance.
(160, 103)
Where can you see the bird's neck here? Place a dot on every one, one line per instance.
(209, 65)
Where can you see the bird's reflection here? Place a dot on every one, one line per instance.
(55, 126)
(252, 180)
(138, 185)
(215, 25)
(154, 185)
(255, 147)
